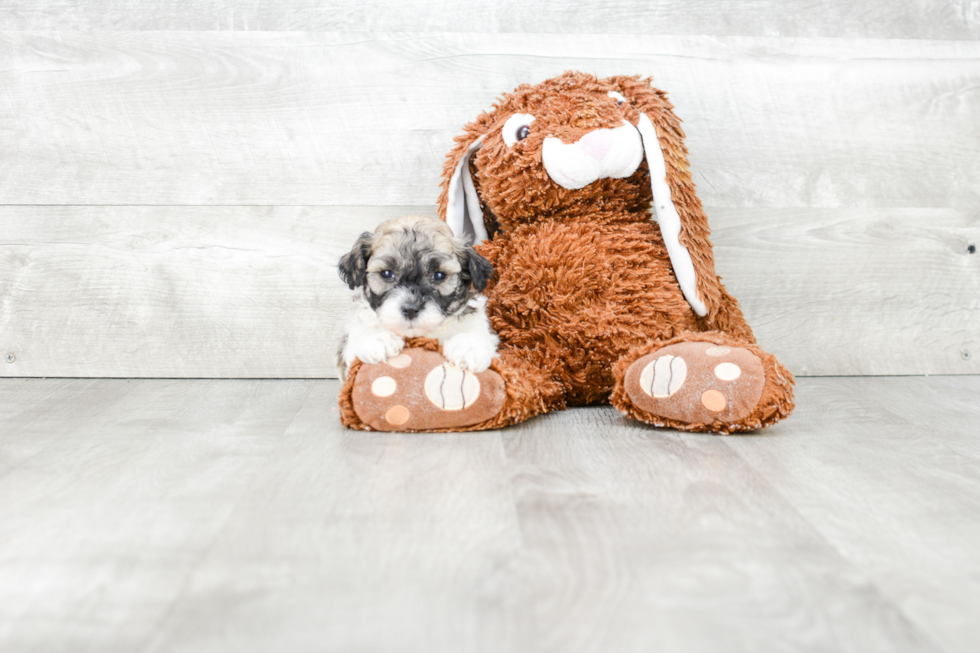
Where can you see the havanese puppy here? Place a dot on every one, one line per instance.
(413, 278)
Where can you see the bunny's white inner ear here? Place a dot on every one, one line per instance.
(463, 213)
(667, 216)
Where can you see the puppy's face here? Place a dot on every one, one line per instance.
(414, 274)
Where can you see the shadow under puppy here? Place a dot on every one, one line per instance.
(412, 278)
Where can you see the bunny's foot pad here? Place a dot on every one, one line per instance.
(696, 383)
(418, 390)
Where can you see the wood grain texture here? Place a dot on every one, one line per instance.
(356, 119)
(254, 292)
(237, 515)
(175, 291)
(856, 291)
(912, 443)
(41, 407)
(915, 19)
(156, 478)
(678, 545)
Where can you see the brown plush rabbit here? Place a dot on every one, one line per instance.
(578, 191)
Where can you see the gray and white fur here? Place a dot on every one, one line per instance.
(413, 278)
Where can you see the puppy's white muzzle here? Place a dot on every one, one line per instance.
(600, 154)
(393, 318)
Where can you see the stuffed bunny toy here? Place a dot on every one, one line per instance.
(578, 192)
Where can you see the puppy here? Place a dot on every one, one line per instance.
(413, 278)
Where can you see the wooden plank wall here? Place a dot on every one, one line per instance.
(178, 179)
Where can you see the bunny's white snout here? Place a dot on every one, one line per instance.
(602, 153)
(596, 143)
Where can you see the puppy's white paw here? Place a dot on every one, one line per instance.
(377, 347)
(470, 351)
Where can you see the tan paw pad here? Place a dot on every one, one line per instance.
(419, 391)
(397, 415)
(713, 401)
(696, 383)
(384, 386)
(663, 376)
(450, 388)
(728, 371)
(401, 361)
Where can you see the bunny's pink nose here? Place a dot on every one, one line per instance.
(596, 143)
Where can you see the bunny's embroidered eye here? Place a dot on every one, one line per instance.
(517, 128)
(620, 99)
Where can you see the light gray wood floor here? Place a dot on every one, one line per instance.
(231, 515)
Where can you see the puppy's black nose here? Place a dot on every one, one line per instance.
(411, 310)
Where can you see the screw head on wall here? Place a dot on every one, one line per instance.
(10, 358)
(965, 354)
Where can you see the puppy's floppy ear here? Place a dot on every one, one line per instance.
(476, 269)
(353, 264)
(459, 204)
(677, 209)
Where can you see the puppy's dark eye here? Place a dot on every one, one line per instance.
(387, 275)
(523, 132)
(438, 276)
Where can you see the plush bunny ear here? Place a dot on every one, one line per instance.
(463, 213)
(676, 207)
(668, 217)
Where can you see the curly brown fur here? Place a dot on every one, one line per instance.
(573, 287)
(515, 187)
